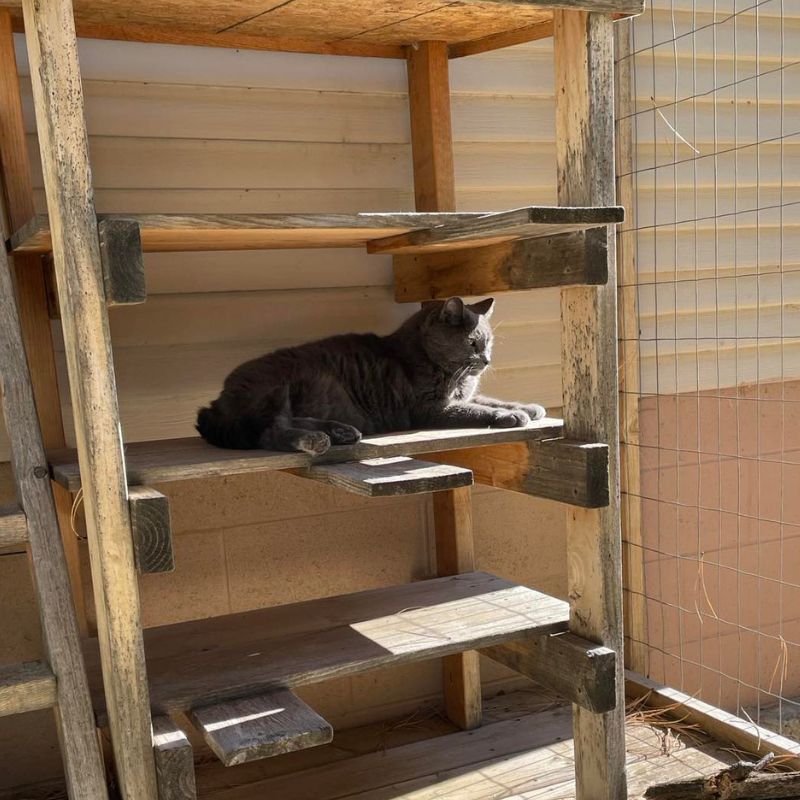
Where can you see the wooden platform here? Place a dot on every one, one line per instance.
(208, 232)
(340, 27)
(183, 459)
(205, 661)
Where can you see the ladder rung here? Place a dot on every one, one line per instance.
(381, 477)
(264, 725)
(27, 686)
(13, 526)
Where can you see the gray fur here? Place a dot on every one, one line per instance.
(424, 375)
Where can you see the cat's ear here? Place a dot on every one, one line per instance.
(452, 311)
(484, 307)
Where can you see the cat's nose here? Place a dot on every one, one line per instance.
(485, 361)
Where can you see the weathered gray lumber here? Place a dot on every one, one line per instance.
(24, 687)
(580, 671)
(602, 6)
(383, 477)
(584, 78)
(63, 146)
(82, 763)
(208, 661)
(122, 260)
(567, 259)
(521, 223)
(13, 526)
(151, 530)
(174, 759)
(183, 459)
(260, 726)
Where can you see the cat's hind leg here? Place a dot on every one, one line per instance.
(302, 440)
(339, 432)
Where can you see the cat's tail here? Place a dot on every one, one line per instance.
(222, 431)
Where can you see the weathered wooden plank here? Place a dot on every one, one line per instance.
(383, 477)
(122, 261)
(503, 226)
(455, 554)
(83, 767)
(192, 232)
(63, 145)
(174, 759)
(722, 725)
(13, 526)
(28, 686)
(208, 661)
(260, 726)
(580, 671)
(568, 259)
(570, 472)
(183, 459)
(584, 74)
(151, 530)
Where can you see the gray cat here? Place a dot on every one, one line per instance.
(424, 375)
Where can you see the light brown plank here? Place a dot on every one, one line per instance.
(13, 526)
(260, 726)
(122, 261)
(584, 76)
(63, 145)
(183, 459)
(531, 33)
(174, 759)
(29, 686)
(202, 232)
(83, 767)
(151, 530)
(580, 671)
(455, 554)
(503, 226)
(384, 477)
(568, 259)
(207, 661)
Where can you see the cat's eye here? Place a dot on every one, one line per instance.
(475, 346)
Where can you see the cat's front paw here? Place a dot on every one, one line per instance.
(314, 442)
(535, 411)
(342, 433)
(515, 418)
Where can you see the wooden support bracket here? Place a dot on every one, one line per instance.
(581, 671)
(570, 472)
(13, 526)
(28, 686)
(122, 261)
(567, 259)
(174, 759)
(151, 530)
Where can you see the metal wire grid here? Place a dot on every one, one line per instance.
(716, 135)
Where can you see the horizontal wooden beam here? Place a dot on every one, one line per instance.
(151, 530)
(531, 33)
(595, 6)
(556, 469)
(13, 526)
(122, 261)
(383, 477)
(581, 671)
(721, 725)
(260, 726)
(28, 686)
(174, 759)
(567, 259)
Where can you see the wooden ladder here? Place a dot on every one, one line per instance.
(243, 706)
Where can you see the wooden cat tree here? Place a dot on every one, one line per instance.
(137, 680)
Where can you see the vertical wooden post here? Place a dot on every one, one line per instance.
(434, 190)
(63, 143)
(636, 654)
(31, 290)
(584, 71)
(83, 766)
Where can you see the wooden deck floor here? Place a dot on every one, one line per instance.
(522, 752)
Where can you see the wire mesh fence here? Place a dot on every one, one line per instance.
(709, 163)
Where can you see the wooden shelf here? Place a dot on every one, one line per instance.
(190, 664)
(183, 459)
(338, 27)
(417, 232)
